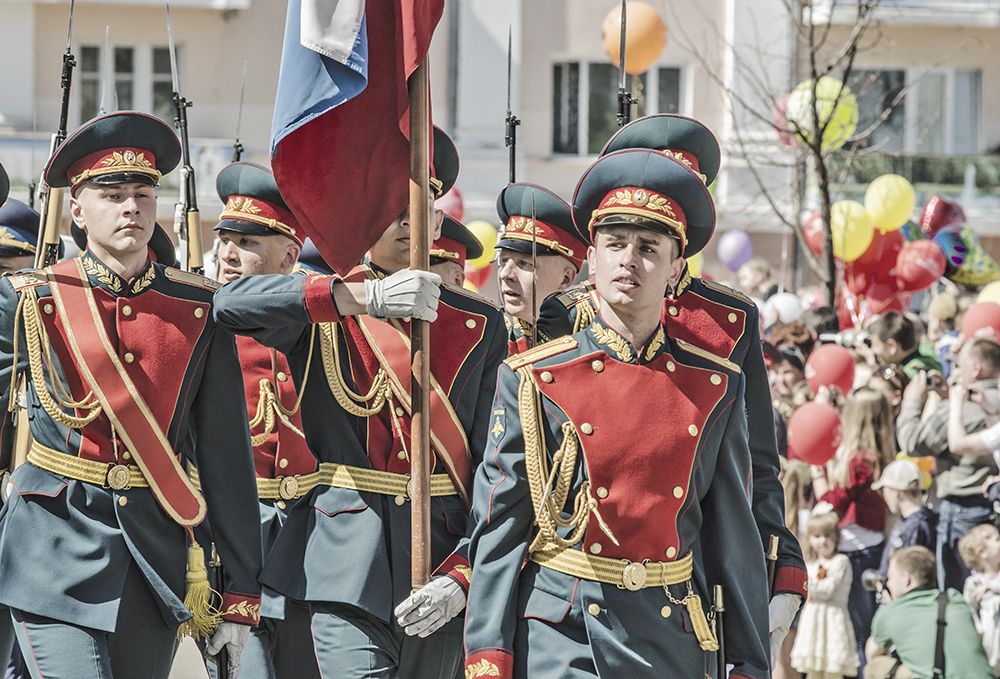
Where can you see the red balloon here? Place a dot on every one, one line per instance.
(452, 203)
(814, 432)
(875, 263)
(939, 213)
(813, 231)
(830, 365)
(478, 277)
(919, 265)
(982, 320)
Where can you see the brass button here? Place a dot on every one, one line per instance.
(128, 357)
(123, 500)
(282, 463)
(199, 312)
(670, 366)
(595, 548)
(587, 428)
(602, 492)
(672, 311)
(678, 492)
(594, 609)
(546, 377)
(732, 318)
(282, 377)
(127, 455)
(671, 552)
(280, 504)
(48, 308)
(400, 500)
(470, 324)
(665, 611)
(598, 366)
(693, 430)
(715, 379)
(127, 310)
(399, 411)
(401, 455)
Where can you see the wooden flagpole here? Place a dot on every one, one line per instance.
(420, 215)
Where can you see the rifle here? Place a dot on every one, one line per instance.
(720, 655)
(187, 219)
(510, 138)
(237, 146)
(51, 200)
(625, 99)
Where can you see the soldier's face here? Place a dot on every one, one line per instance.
(10, 264)
(554, 273)
(450, 272)
(118, 218)
(392, 251)
(632, 267)
(242, 254)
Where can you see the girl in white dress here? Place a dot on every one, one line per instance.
(825, 647)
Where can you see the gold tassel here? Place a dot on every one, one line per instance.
(199, 598)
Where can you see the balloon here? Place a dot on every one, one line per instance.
(784, 307)
(938, 213)
(965, 260)
(487, 235)
(478, 276)
(814, 432)
(982, 319)
(878, 261)
(991, 293)
(452, 203)
(734, 249)
(852, 229)
(814, 298)
(779, 120)
(813, 231)
(830, 365)
(840, 121)
(645, 36)
(889, 201)
(919, 265)
(695, 264)
(468, 285)
(911, 231)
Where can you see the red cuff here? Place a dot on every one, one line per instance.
(457, 566)
(791, 580)
(240, 608)
(492, 662)
(317, 295)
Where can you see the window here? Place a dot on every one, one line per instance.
(938, 115)
(141, 77)
(585, 102)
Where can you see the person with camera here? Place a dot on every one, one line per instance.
(961, 474)
(933, 632)
(895, 341)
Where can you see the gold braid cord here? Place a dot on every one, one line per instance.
(584, 316)
(268, 406)
(550, 488)
(38, 341)
(348, 400)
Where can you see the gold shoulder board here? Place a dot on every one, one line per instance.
(698, 351)
(725, 289)
(194, 279)
(552, 348)
(28, 280)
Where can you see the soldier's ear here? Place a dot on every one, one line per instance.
(76, 211)
(438, 222)
(569, 275)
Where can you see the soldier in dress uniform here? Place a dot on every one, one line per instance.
(559, 254)
(449, 252)
(614, 493)
(258, 235)
(345, 547)
(18, 236)
(128, 374)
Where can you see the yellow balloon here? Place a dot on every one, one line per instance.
(695, 264)
(990, 293)
(851, 227)
(840, 122)
(890, 200)
(487, 235)
(470, 286)
(645, 36)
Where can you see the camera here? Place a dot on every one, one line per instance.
(846, 338)
(872, 580)
(933, 381)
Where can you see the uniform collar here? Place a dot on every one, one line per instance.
(617, 346)
(683, 284)
(521, 328)
(102, 276)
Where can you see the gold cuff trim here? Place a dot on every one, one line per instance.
(272, 224)
(107, 475)
(628, 575)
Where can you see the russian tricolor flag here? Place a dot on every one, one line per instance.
(340, 134)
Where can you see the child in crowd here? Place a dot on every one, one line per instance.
(901, 489)
(980, 549)
(825, 646)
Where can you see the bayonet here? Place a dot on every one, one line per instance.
(237, 146)
(104, 69)
(33, 185)
(534, 274)
(187, 219)
(625, 99)
(510, 138)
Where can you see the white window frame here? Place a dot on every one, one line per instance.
(142, 77)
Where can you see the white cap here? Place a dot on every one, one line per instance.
(901, 475)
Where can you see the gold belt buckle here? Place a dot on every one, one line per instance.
(288, 487)
(634, 576)
(119, 477)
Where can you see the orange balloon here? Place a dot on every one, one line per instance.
(645, 36)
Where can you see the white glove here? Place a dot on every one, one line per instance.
(426, 610)
(232, 635)
(404, 294)
(781, 612)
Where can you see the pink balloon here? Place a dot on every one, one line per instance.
(814, 432)
(982, 320)
(830, 365)
(451, 203)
